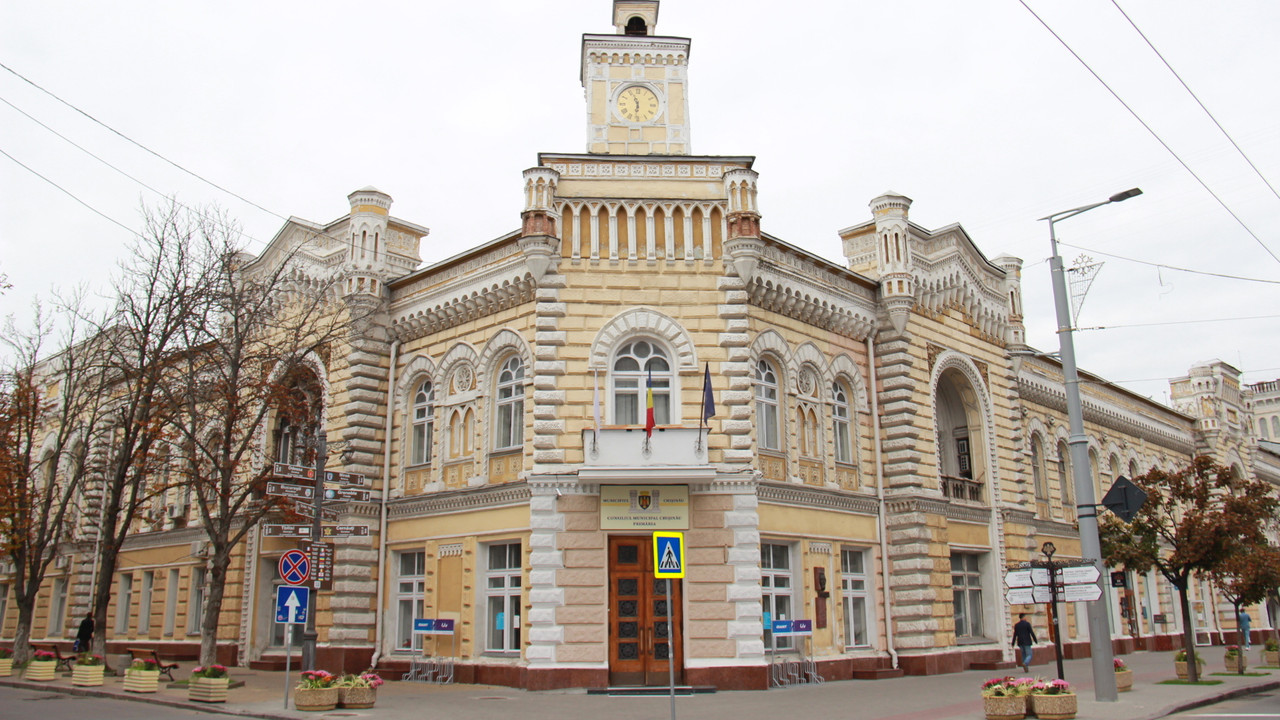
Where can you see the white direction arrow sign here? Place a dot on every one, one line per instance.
(292, 604)
(1018, 579)
(1080, 593)
(1078, 575)
(1028, 595)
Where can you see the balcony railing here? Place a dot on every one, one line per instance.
(962, 489)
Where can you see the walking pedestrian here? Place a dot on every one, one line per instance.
(84, 636)
(1243, 620)
(1024, 636)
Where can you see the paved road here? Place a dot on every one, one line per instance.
(1259, 705)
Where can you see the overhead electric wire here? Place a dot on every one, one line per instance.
(1197, 99)
(349, 243)
(1152, 132)
(1170, 267)
(69, 193)
(86, 151)
(1177, 322)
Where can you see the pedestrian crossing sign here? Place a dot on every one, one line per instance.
(668, 555)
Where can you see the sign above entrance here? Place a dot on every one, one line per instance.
(644, 507)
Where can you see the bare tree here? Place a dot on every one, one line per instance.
(252, 354)
(1194, 519)
(158, 290)
(49, 411)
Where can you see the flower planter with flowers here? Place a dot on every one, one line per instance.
(143, 676)
(209, 684)
(6, 662)
(88, 670)
(1004, 699)
(1124, 676)
(1180, 664)
(316, 691)
(358, 691)
(1235, 659)
(1053, 700)
(42, 666)
(1271, 652)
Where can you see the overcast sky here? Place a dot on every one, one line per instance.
(973, 109)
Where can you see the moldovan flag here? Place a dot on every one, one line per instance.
(648, 406)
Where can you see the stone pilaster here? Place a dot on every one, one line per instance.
(546, 559)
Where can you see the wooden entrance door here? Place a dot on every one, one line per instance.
(639, 641)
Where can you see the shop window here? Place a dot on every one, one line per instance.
(966, 588)
(855, 597)
(410, 592)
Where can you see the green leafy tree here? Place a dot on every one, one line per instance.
(1247, 577)
(1193, 521)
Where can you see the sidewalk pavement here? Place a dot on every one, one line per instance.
(931, 697)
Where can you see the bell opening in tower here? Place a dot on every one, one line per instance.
(636, 26)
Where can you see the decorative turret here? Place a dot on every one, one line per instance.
(635, 17)
(743, 244)
(539, 239)
(367, 264)
(1017, 334)
(893, 254)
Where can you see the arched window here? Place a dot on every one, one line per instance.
(1133, 469)
(1064, 479)
(767, 406)
(840, 421)
(297, 420)
(1275, 426)
(637, 366)
(423, 417)
(509, 406)
(460, 430)
(1115, 467)
(1262, 429)
(1038, 479)
(807, 419)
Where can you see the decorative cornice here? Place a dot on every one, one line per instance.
(1042, 391)
(786, 284)
(451, 501)
(784, 494)
(1056, 528)
(469, 291)
(936, 506)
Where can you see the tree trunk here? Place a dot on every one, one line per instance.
(1188, 635)
(108, 551)
(213, 608)
(22, 636)
(1240, 639)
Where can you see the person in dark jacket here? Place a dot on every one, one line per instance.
(84, 636)
(1024, 636)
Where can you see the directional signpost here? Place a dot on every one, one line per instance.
(308, 510)
(289, 490)
(668, 563)
(1071, 581)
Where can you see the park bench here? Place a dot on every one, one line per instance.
(166, 669)
(63, 662)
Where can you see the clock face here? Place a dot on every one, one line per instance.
(637, 104)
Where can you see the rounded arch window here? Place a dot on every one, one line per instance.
(840, 420)
(639, 367)
(767, 435)
(509, 430)
(423, 425)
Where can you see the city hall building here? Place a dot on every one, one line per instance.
(881, 442)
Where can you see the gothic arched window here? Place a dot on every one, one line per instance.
(840, 423)
(767, 435)
(423, 417)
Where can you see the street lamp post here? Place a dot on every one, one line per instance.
(1104, 680)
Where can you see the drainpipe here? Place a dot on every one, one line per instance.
(382, 517)
(884, 529)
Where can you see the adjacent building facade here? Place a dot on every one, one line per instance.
(866, 443)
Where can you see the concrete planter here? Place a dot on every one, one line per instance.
(1181, 669)
(141, 681)
(315, 699)
(1005, 708)
(1124, 680)
(87, 675)
(6, 667)
(1271, 657)
(1054, 707)
(208, 690)
(357, 697)
(1238, 663)
(40, 670)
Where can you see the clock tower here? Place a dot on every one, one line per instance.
(636, 84)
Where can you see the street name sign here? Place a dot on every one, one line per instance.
(309, 510)
(1028, 595)
(305, 472)
(347, 494)
(286, 531)
(1018, 578)
(432, 626)
(344, 531)
(290, 490)
(291, 604)
(1078, 575)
